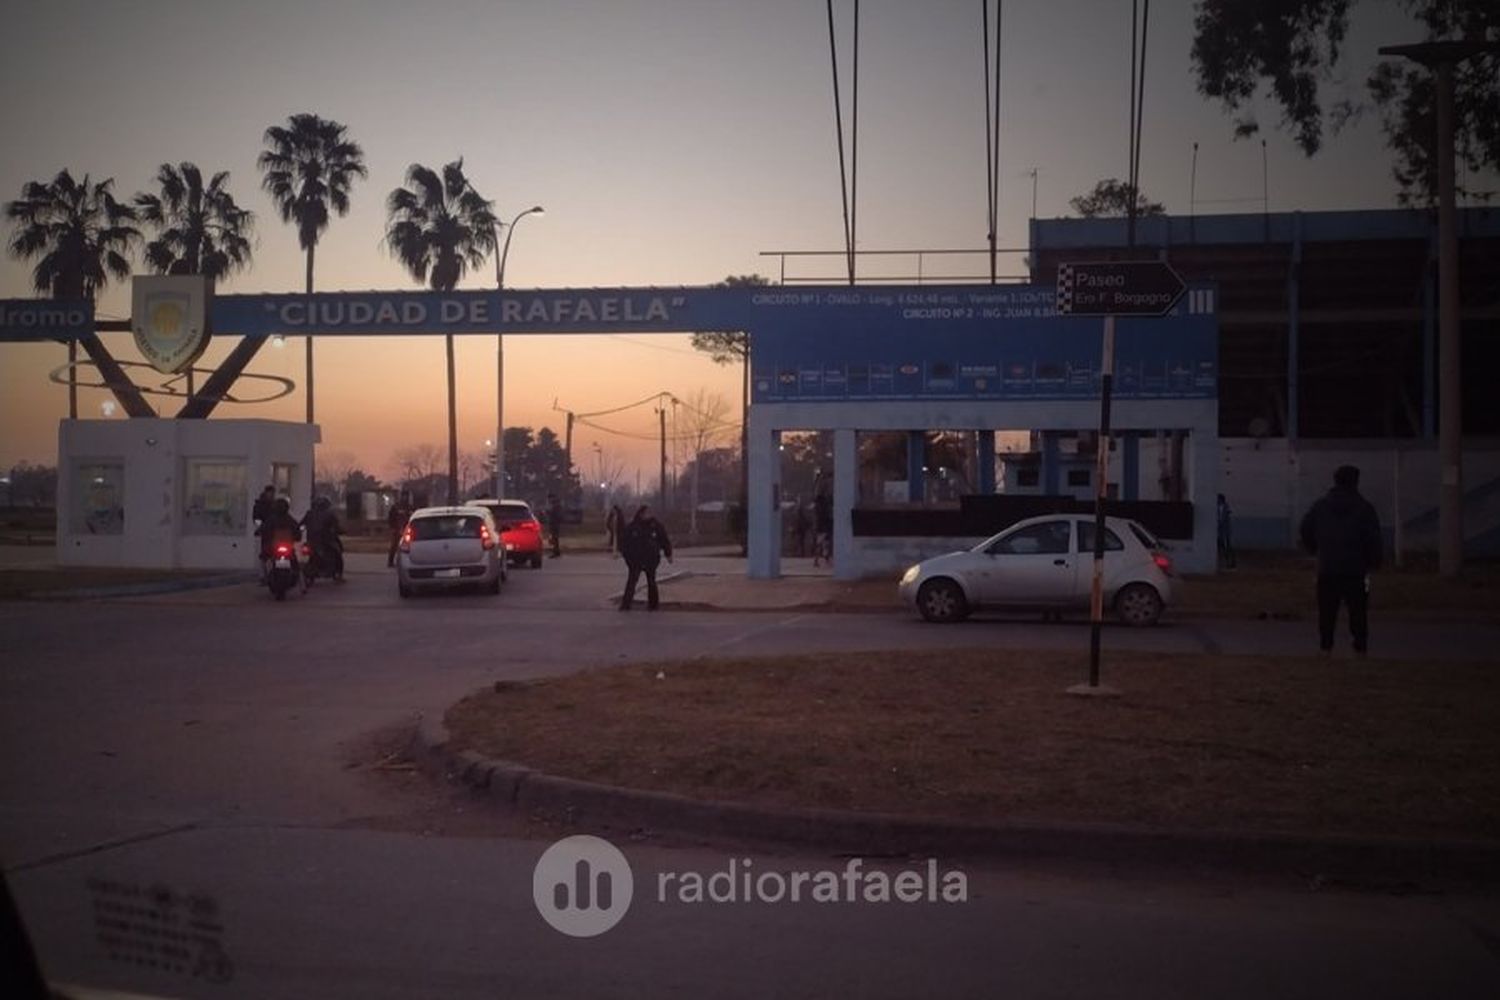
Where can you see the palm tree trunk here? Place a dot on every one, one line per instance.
(453, 497)
(309, 339)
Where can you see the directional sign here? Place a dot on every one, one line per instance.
(1117, 288)
(44, 319)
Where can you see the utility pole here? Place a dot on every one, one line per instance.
(661, 414)
(568, 454)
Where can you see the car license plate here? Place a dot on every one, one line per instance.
(446, 572)
(283, 564)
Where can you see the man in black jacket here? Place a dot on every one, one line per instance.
(643, 543)
(1343, 531)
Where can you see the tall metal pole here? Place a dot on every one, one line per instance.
(1101, 493)
(500, 355)
(1450, 341)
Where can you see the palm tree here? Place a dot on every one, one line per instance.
(308, 167)
(76, 231)
(199, 230)
(439, 228)
(79, 236)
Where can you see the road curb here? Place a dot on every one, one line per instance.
(140, 589)
(1322, 857)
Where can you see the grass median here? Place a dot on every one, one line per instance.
(1242, 743)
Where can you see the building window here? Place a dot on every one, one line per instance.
(1078, 477)
(282, 474)
(1029, 476)
(98, 498)
(216, 501)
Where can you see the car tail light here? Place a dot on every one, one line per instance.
(1163, 562)
(283, 550)
(485, 538)
(406, 540)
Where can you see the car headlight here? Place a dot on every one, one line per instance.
(911, 574)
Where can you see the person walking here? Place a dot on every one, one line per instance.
(395, 520)
(614, 523)
(801, 524)
(1226, 534)
(643, 542)
(1343, 531)
(554, 523)
(823, 528)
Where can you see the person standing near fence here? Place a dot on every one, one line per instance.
(1343, 531)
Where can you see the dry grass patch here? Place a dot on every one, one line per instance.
(1229, 742)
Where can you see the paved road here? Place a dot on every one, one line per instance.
(204, 742)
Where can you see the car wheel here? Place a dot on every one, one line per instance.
(1138, 605)
(942, 600)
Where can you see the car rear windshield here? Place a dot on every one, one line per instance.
(1112, 541)
(512, 513)
(1145, 536)
(426, 529)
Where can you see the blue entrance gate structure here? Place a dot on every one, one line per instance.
(838, 358)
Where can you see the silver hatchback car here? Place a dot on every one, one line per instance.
(1046, 563)
(450, 547)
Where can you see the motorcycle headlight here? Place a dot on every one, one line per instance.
(911, 574)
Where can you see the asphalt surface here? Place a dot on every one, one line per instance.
(217, 747)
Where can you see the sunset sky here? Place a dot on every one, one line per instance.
(670, 142)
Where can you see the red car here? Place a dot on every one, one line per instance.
(520, 531)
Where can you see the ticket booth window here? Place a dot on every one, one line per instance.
(99, 498)
(281, 477)
(216, 501)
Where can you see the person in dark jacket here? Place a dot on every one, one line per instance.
(324, 536)
(396, 520)
(615, 525)
(278, 526)
(643, 543)
(554, 523)
(1343, 531)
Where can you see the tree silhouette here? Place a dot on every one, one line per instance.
(199, 229)
(308, 166)
(79, 236)
(77, 233)
(439, 227)
(1110, 199)
(1295, 45)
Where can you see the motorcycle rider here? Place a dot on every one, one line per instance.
(323, 531)
(278, 526)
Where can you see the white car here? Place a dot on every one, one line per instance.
(445, 547)
(1046, 563)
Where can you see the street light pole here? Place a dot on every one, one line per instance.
(1440, 58)
(500, 354)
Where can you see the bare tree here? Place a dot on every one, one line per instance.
(334, 468)
(418, 461)
(704, 420)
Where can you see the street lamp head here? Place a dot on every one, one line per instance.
(537, 210)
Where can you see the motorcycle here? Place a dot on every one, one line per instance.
(283, 572)
(322, 558)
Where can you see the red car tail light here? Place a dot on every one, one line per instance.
(1163, 563)
(406, 537)
(485, 538)
(283, 550)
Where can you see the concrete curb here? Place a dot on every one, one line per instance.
(140, 589)
(1328, 858)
